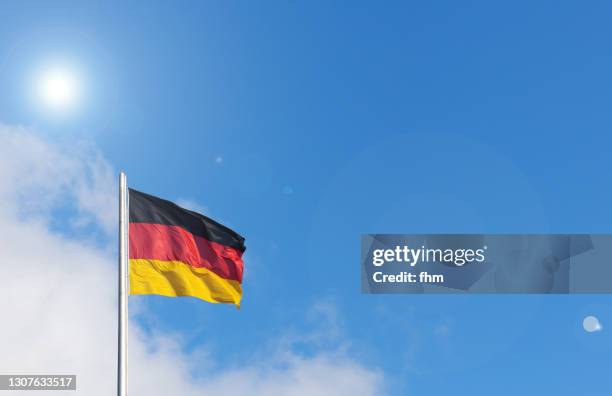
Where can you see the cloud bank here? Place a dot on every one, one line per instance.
(59, 308)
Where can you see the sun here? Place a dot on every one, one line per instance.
(58, 88)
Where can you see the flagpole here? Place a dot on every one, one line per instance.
(123, 287)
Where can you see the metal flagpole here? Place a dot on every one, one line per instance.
(123, 286)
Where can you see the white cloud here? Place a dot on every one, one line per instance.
(37, 176)
(58, 295)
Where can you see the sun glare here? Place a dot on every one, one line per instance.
(58, 88)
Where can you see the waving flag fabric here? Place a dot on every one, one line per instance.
(178, 252)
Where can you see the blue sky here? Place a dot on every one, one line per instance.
(335, 119)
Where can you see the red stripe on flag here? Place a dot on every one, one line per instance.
(173, 243)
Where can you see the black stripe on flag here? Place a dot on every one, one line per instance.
(145, 208)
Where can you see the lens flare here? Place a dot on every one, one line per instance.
(591, 324)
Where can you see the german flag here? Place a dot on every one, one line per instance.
(177, 252)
